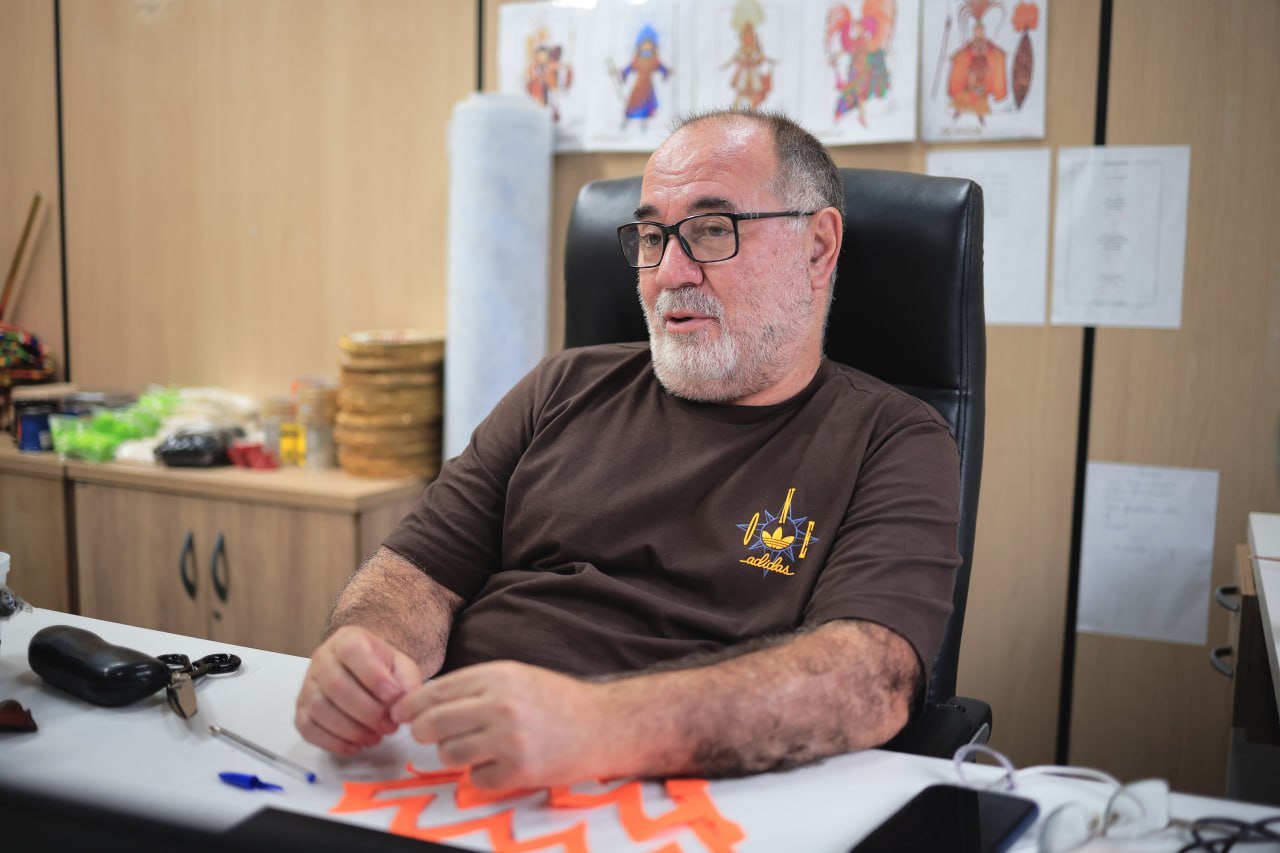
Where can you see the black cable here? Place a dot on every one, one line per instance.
(1067, 680)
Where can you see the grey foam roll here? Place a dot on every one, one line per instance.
(500, 157)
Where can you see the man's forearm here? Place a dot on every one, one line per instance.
(842, 687)
(398, 601)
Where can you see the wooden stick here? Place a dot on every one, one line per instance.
(22, 259)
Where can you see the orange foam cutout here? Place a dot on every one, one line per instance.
(694, 809)
(467, 795)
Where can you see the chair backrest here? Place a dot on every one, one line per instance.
(908, 309)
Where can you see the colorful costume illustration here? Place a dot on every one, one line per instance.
(856, 50)
(643, 101)
(752, 70)
(545, 76)
(978, 68)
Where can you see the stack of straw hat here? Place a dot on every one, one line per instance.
(390, 404)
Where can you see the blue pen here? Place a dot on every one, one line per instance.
(248, 781)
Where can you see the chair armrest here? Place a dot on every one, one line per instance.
(943, 727)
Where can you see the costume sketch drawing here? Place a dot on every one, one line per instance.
(540, 52)
(642, 101)
(634, 96)
(752, 78)
(746, 54)
(985, 74)
(866, 64)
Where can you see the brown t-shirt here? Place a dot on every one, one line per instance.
(597, 524)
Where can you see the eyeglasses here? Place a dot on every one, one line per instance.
(1134, 810)
(1221, 834)
(705, 237)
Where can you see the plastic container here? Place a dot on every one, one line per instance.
(31, 422)
(317, 408)
(276, 411)
(293, 444)
(319, 446)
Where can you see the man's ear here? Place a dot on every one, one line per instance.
(827, 230)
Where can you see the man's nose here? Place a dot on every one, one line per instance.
(677, 269)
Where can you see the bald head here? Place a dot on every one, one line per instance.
(805, 177)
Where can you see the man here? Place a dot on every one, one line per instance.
(715, 555)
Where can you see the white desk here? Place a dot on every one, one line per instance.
(1264, 541)
(144, 759)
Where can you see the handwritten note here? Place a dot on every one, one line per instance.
(1147, 552)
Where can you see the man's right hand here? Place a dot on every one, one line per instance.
(354, 678)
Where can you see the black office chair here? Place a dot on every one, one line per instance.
(908, 309)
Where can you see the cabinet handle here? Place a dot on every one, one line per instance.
(220, 584)
(1220, 595)
(187, 557)
(1215, 660)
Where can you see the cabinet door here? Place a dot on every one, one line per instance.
(273, 572)
(33, 532)
(139, 557)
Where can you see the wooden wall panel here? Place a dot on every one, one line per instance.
(1013, 638)
(1206, 395)
(1013, 634)
(29, 163)
(247, 181)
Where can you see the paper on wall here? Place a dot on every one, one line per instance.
(1015, 195)
(1120, 234)
(1147, 552)
(747, 54)
(615, 73)
(633, 74)
(542, 50)
(859, 69)
(983, 70)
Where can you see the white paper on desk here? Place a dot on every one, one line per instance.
(1147, 552)
(1120, 235)
(1015, 196)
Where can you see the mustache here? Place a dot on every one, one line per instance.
(688, 299)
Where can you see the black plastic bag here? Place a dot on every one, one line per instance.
(197, 448)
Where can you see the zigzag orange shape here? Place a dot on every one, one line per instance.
(362, 796)
(467, 795)
(694, 809)
(498, 828)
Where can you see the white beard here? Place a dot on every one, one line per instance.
(740, 361)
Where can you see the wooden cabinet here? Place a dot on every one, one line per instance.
(244, 557)
(33, 527)
(1253, 753)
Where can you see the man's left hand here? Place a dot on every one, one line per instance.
(513, 725)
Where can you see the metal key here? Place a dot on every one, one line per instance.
(181, 689)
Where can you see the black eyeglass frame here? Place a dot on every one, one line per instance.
(674, 230)
(1231, 831)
